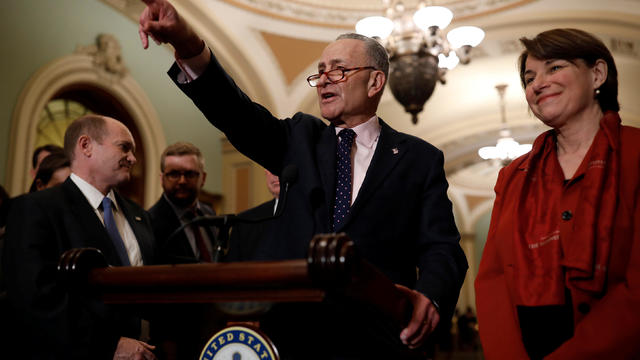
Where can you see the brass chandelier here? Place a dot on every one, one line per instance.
(419, 53)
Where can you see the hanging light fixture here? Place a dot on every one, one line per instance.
(420, 55)
(506, 148)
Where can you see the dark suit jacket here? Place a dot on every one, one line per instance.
(164, 222)
(185, 326)
(245, 238)
(401, 218)
(57, 323)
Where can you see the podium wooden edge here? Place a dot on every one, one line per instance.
(332, 267)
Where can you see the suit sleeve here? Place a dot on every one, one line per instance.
(499, 331)
(250, 127)
(442, 263)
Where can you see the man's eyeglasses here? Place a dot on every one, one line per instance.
(334, 76)
(176, 175)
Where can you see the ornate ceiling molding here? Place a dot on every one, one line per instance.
(345, 13)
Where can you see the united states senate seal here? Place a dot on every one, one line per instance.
(239, 343)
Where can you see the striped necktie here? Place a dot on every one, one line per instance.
(205, 256)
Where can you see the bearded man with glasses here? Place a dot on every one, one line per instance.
(384, 189)
(183, 176)
(179, 331)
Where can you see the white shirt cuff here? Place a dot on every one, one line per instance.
(193, 67)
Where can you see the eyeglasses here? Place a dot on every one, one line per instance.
(334, 76)
(176, 175)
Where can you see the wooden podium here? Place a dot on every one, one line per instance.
(332, 269)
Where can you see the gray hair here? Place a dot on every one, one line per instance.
(375, 51)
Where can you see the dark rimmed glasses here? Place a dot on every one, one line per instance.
(335, 75)
(176, 175)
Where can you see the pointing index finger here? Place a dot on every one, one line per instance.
(144, 38)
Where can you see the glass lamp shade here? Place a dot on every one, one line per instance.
(523, 149)
(465, 35)
(448, 62)
(488, 152)
(429, 16)
(375, 26)
(506, 148)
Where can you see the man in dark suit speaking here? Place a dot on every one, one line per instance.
(385, 189)
(85, 211)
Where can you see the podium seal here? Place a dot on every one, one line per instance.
(239, 343)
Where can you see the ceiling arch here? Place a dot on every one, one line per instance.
(339, 13)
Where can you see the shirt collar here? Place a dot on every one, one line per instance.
(93, 195)
(366, 133)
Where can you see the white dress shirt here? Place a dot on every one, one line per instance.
(364, 146)
(94, 197)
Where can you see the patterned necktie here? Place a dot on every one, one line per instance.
(343, 177)
(112, 230)
(197, 234)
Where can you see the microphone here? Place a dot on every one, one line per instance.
(288, 178)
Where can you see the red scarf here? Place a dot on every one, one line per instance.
(547, 261)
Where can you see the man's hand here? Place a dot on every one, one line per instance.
(424, 318)
(161, 21)
(132, 349)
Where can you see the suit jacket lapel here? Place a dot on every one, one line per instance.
(179, 244)
(388, 153)
(95, 234)
(135, 218)
(326, 157)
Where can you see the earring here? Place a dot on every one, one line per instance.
(597, 92)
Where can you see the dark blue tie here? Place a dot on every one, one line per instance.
(343, 178)
(112, 229)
